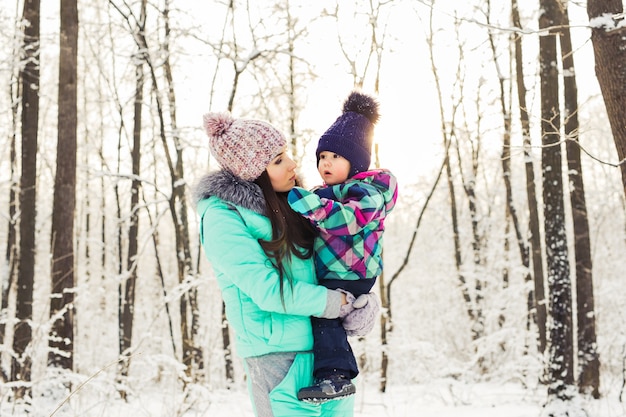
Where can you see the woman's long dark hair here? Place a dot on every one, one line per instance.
(292, 234)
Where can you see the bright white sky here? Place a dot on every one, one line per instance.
(409, 132)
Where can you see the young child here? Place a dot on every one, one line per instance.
(349, 211)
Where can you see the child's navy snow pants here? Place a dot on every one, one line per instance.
(331, 350)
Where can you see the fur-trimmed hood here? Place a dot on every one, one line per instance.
(230, 188)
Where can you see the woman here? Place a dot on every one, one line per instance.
(261, 254)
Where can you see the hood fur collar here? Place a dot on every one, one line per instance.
(232, 189)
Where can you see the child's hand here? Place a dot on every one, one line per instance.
(363, 300)
(361, 320)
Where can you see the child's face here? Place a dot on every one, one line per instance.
(333, 168)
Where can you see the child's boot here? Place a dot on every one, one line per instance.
(332, 387)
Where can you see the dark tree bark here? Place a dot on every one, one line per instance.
(468, 183)
(64, 206)
(588, 356)
(159, 271)
(386, 317)
(536, 298)
(609, 48)
(561, 356)
(511, 216)
(29, 76)
(11, 249)
(193, 356)
(473, 311)
(127, 286)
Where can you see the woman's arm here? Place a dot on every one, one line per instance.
(236, 254)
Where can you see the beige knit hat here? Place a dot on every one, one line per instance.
(242, 146)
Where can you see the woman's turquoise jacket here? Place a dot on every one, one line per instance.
(263, 322)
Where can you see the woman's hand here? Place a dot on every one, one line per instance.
(360, 321)
(346, 303)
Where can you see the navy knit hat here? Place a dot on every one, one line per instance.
(352, 133)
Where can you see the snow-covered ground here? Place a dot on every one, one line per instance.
(442, 398)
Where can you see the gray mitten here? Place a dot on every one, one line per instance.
(361, 320)
(346, 308)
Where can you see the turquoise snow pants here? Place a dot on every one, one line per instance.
(283, 400)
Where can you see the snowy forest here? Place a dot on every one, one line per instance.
(503, 121)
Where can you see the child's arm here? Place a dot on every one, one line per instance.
(360, 204)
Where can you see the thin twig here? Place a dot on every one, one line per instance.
(87, 381)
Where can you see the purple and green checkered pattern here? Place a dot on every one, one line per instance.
(350, 217)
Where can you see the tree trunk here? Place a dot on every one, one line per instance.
(561, 355)
(62, 292)
(229, 370)
(11, 248)
(458, 258)
(469, 187)
(510, 214)
(21, 363)
(609, 48)
(385, 326)
(127, 290)
(536, 298)
(160, 273)
(192, 353)
(293, 138)
(588, 356)
(470, 307)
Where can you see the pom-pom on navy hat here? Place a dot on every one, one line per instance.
(351, 135)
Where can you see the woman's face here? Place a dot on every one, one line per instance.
(282, 172)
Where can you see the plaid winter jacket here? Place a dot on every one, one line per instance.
(350, 217)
